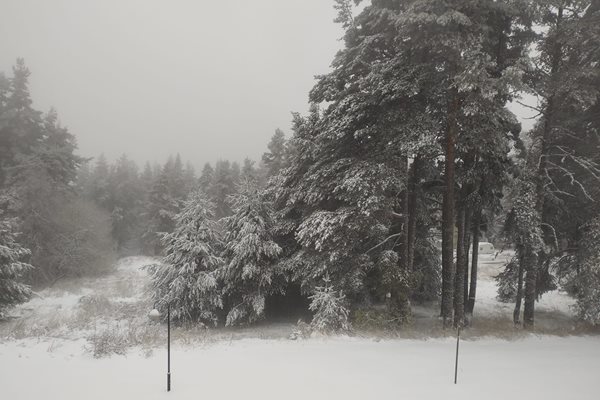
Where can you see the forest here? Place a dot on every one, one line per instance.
(375, 202)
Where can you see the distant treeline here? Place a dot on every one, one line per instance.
(143, 204)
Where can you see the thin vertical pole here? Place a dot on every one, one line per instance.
(168, 348)
(456, 362)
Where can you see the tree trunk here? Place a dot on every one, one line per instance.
(412, 213)
(448, 216)
(405, 213)
(474, 264)
(531, 266)
(466, 259)
(519, 299)
(459, 305)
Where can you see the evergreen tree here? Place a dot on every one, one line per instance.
(560, 161)
(276, 158)
(40, 171)
(162, 209)
(126, 194)
(13, 267)
(222, 186)
(250, 252)
(206, 177)
(186, 280)
(249, 171)
(189, 178)
(99, 186)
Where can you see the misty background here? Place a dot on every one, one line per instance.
(208, 80)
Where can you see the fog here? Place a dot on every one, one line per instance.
(151, 78)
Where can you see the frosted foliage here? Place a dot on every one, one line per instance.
(330, 312)
(523, 221)
(250, 252)
(186, 280)
(12, 267)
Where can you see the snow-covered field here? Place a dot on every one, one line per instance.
(339, 368)
(54, 337)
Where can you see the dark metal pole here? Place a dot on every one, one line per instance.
(456, 362)
(168, 348)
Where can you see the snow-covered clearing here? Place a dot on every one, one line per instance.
(339, 368)
(55, 336)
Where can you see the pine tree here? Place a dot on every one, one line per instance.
(186, 280)
(13, 267)
(276, 158)
(99, 185)
(206, 177)
(222, 185)
(250, 252)
(126, 194)
(560, 161)
(189, 178)
(161, 213)
(41, 176)
(413, 78)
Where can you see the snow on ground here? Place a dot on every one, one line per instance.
(91, 339)
(490, 265)
(74, 308)
(338, 368)
(554, 311)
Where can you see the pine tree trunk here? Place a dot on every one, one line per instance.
(412, 213)
(466, 259)
(448, 216)
(519, 298)
(530, 288)
(474, 264)
(405, 214)
(459, 305)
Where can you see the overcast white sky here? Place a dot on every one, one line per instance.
(207, 79)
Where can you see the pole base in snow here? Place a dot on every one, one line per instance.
(456, 362)
(169, 382)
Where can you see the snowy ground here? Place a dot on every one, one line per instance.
(340, 368)
(52, 341)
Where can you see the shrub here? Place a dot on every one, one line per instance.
(329, 307)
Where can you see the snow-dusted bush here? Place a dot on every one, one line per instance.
(111, 340)
(329, 307)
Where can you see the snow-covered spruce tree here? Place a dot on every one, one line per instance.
(249, 275)
(186, 280)
(329, 308)
(12, 266)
